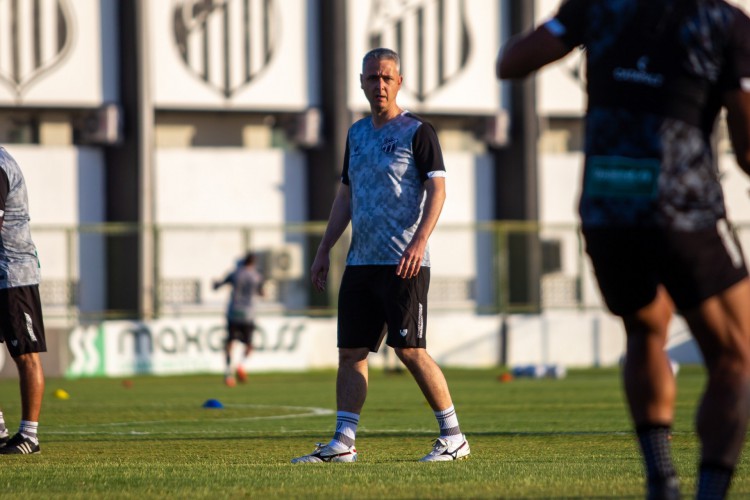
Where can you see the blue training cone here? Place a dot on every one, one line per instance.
(213, 403)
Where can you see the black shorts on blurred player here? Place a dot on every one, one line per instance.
(630, 263)
(241, 331)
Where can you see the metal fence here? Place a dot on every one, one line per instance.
(487, 268)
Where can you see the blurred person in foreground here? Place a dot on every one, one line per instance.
(652, 208)
(247, 284)
(392, 190)
(21, 324)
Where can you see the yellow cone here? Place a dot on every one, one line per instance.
(62, 394)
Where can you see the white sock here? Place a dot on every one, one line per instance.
(3, 429)
(29, 430)
(448, 422)
(346, 429)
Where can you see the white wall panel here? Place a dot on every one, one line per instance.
(230, 186)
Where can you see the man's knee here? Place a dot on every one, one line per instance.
(410, 355)
(731, 367)
(29, 360)
(350, 357)
(29, 365)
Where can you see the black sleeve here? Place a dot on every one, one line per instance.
(4, 190)
(569, 24)
(736, 70)
(345, 169)
(427, 153)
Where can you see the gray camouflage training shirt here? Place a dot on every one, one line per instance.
(19, 265)
(385, 169)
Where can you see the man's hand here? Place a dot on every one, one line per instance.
(319, 270)
(411, 260)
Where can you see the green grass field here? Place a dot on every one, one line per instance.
(565, 438)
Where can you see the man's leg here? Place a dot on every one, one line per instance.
(351, 392)
(428, 375)
(452, 444)
(650, 390)
(721, 326)
(228, 375)
(351, 380)
(31, 378)
(241, 373)
(648, 378)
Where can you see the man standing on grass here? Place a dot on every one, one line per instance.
(652, 208)
(21, 325)
(247, 283)
(392, 190)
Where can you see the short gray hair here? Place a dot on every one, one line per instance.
(382, 53)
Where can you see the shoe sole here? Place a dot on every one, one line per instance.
(320, 461)
(38, 452)
(465, 457)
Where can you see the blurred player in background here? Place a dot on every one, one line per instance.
(652, 208)
(392, 190)
(247, 283)
(21, 324)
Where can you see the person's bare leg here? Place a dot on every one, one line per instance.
(31, 380)
(647, 374)
(428, 376)
(351, 392)
(351, 380)
(650, 389)
(721, 326)
(452, 444)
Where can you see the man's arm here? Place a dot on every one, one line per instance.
(227, 279)
(524, 54)
(737, 103)
(411, 260)
(337, 222)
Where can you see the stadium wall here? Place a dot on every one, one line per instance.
(195, 345)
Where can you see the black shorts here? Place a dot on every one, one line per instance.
(240, 331)
(374, 301)
(630, 263)
(21, 323)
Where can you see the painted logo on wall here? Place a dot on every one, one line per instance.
(35, 37)
(432, 38)
(226, 43)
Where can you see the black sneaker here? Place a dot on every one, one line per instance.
(20, 445)
(4, 439)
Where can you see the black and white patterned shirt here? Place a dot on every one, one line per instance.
(656, 72)
(386, 168)
(19, 265)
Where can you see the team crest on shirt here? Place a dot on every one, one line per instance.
(389, 144)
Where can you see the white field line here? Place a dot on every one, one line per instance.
(302, 411)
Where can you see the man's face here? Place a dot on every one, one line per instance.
(381, 82)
